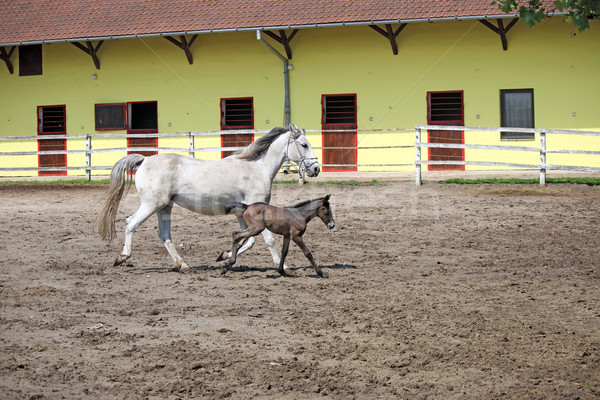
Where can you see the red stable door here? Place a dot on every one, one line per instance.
(236, 113)
(339, 147)
(52, 121)
(445, 108)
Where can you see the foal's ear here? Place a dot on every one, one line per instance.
(327, 197)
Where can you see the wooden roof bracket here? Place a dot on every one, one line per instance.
(500, 29)
(184, 45)
(284, 40)
(4, 56)
(390, 34)
(91, 50)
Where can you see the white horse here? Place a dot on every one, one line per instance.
(203, 186)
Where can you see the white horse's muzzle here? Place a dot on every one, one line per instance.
(312, 168)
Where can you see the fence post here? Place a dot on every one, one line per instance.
(88, 157)
(418, 156)
(543, 158)
(192, 146)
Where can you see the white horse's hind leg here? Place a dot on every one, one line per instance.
(270, 241)
(133, 222)
(164, 232)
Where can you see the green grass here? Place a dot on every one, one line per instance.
(581, 180)
(341, 183)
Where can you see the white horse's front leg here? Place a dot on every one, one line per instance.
(270, 241)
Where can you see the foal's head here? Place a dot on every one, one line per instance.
(324, 212)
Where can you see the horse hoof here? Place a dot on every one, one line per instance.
(120, 260)
(222, 256)
(184, 269)
(323, 275)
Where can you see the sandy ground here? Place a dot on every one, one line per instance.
(443, 291)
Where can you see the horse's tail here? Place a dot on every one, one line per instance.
(122, 173)
(236, 204)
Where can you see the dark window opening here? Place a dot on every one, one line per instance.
(237, 113)
(143, 115)
(51, 119)
(339, 109)
(30, 60)
(516, 111)
(110, 116)
(445, 107)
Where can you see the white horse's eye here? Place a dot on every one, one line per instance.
(304, 145)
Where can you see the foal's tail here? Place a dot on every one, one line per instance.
(122, 173)
(236, 204)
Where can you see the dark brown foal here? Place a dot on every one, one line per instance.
(290, 222)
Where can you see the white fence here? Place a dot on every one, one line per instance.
(89, 150)
(191, 149)
(418, 145)
(542, 166)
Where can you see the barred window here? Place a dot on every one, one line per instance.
(516, 111)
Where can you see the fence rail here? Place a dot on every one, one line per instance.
(418, 145)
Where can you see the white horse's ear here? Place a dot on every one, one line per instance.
(295, 132)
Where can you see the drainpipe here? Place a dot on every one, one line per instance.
(286, 75)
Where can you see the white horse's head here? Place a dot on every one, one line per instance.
(300, 151)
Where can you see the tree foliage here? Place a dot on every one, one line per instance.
(579, 12)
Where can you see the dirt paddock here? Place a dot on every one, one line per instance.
(446, 291)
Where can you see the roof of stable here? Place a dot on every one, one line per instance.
(27, 21)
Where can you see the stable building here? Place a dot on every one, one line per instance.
(359, 76)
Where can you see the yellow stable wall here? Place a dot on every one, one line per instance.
(558, 63)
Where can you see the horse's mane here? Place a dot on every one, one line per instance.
(260, 145)
(305, 202)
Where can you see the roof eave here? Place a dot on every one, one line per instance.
(272, 28)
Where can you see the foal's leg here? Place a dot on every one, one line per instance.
(142, 214)
(284, 251)
(239, 238)
(234, 247)
(164, 232)
(298, 240)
